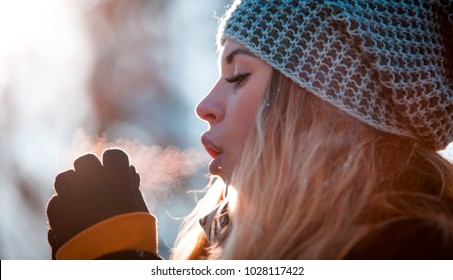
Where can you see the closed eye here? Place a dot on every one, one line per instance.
(237, 78)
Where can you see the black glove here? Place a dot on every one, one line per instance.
(91, 193)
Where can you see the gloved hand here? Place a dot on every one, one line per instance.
(91, 193)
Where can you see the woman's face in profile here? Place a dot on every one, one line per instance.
(231, 105)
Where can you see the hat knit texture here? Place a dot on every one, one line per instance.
(387, 63)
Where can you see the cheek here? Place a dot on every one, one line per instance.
(245, 112)
(243, 124)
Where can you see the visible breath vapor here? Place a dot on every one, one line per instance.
(161, 169)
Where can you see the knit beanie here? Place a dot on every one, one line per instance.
(387, 63)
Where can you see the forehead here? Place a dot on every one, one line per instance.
(230, 44)
(230, 50)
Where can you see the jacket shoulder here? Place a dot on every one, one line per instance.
(408, 238)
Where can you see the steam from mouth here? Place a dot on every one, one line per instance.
(161, 169)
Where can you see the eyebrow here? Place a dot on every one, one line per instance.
(230, 57)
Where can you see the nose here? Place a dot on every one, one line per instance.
(212, 107)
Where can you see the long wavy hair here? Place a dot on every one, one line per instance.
(314, 182)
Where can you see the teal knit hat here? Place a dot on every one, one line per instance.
(387, 63)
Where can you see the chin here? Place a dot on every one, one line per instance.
(219, 172)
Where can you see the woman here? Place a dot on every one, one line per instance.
(325, 123)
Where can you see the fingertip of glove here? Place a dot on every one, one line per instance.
(87, 163)
(64, 181)
(115, 158)
(52, 205)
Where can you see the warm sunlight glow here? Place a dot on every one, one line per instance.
(232, 198)
(116, 70)
(45, 61)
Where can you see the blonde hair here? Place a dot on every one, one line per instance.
(191, 242)
(314, 181)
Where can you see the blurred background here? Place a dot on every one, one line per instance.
(79, 76)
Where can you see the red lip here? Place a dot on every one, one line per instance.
(212, 150)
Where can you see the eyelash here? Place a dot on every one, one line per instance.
(237, 78)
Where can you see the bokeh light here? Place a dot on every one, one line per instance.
(79, 76)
